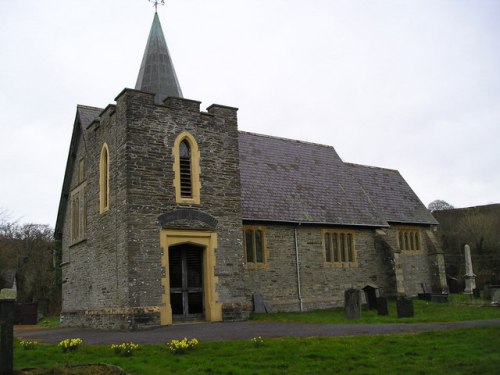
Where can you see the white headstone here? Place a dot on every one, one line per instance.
(470, 278)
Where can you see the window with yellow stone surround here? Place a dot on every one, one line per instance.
(339, 247)
(409, 239)
(254, 239)
(186, 169)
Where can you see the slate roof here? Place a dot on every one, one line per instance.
(84, 117)
(284, 180)
(389, 191)
(292, 181)
(157, 73)
(87, 114)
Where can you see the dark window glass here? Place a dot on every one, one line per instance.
(249, 245)
(259, 248)
(328, 247)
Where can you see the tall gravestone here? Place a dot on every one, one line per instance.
(382, 306)
(470, 277)
(352, 306)
(404, 307)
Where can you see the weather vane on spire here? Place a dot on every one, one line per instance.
(156, 2)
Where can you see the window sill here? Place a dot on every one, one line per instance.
(412, 252)
(256, 266)
(341, 265)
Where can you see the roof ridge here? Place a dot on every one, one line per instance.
(285, 139)
(88, 107)
(371, 166)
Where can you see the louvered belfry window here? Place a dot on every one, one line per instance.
(185, 169)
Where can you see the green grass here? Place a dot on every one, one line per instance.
(462, 351)
(49, 322)
(459, 308)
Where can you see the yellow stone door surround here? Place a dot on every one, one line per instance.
(208, 241)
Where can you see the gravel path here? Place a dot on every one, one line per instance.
(233, 331)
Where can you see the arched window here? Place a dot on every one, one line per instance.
(187, 169)
(104, 179)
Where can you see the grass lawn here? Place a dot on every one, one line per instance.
(459, 308)
(462, 351)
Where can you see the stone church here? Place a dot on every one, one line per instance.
(170, 213)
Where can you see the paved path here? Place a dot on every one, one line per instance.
(234, 331)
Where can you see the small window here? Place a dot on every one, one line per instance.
(104, 179)
(339, 247)
(254, 243)
(409, 239)
(186, 169)
(78, 214)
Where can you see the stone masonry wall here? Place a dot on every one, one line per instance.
(94, 271)
(151, 133)
(321, 285)
(415, 265)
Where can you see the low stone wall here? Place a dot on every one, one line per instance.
(128, 319)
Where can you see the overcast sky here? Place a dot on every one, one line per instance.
(407, 85)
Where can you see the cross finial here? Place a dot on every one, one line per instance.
(156, 2)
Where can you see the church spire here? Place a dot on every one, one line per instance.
(157, 73)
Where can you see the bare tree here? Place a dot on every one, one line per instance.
(439, 205)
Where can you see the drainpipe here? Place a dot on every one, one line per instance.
(298, 267)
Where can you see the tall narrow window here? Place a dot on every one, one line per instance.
(187, 169)
(104, 179)
(78, 213)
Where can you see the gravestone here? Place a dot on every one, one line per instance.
(371, 296)
(495, 298)
(382, 306)
(259, 306)
(352, 306)
(470, 277)
(404, 307)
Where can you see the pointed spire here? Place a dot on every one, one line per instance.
(157, 73)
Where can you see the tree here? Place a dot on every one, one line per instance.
(31, 251)
(439, 205)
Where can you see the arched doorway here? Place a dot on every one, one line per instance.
(189, 281)
(186, 281)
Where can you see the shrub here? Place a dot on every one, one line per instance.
(181, 346)
(70, 344)
(257, 341)
(126, 349)
(28, 345)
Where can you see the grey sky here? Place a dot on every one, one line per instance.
(408, 85)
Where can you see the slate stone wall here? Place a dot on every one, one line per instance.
(322, 286)
(94, 270)
(151, 132)
(416, 265)
(119, 265)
